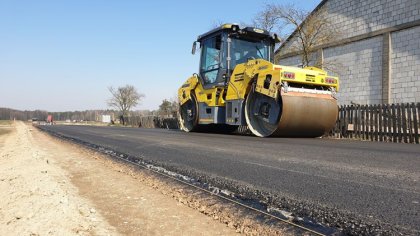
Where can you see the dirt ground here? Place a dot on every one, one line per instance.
(51, 187)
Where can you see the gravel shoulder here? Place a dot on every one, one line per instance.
(37, 197)
(49, 186)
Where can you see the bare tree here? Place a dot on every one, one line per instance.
(165, 108)
(124, 99)
(269, 19)
(309, 29)
(169, 107)
(175, 103)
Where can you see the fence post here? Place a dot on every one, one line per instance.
(356, 122)
(363, 122)
(343, 130)
(399, 123)
(409, 124)
(381, 117)
(389, 119)
(373, 122)
(351, 121)
(404, 122)
(415, 124)
(366, 129)
(370, 133)
(385, 122)
(375, 126)
(394, 127)
(337, 124)
(367, 121)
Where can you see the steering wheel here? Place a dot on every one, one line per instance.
(212, 67)
(250, 58)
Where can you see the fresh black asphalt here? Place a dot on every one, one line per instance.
(369, 180)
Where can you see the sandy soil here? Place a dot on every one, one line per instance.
(50, 187)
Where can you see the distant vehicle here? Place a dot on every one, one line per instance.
(50, 119)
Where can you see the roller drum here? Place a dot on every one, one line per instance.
(299, 114)
(306, 115)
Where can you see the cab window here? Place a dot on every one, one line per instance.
(211, 59)
(243, 50)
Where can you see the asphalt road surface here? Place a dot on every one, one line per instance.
(371, 180)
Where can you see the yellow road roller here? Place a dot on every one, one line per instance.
(239, 85)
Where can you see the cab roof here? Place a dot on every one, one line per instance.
(248, 31)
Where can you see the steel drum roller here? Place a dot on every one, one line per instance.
(299, 114)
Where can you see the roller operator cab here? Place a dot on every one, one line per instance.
(238, 84)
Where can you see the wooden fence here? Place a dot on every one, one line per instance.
(383, 122)
(153, 122)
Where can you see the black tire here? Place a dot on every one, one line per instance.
(257, 123)
(188, 115)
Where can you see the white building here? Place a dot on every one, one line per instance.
(378, 50)
(106, 119)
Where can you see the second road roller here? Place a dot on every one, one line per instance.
(238, 84)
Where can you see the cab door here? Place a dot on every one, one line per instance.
(213, 62)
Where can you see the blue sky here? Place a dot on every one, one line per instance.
(63, 55)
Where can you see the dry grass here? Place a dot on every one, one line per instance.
(5, 126)
(6, 122)
(4, 131)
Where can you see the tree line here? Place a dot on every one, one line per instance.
(166, 109)
(88, 115)
(10, 114)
